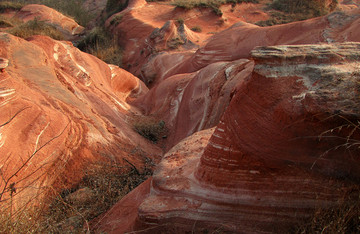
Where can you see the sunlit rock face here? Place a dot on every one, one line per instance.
(287, 144)
(69, 108)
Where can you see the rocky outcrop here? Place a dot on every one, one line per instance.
(284, 147)
(192, 102)
(64, 24)
(237, 41)
(143, 26)
(69, 109)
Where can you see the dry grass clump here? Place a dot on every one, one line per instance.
(36, 27)
(341, 218)
(212, 4)
(196, 29)
(7, 5)
(101, 44)
(284, 11)
(71, 8)
(150, 128)
(71, 211)
(102, 186)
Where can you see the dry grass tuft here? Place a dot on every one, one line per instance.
(212, 4)
(101, 44)
(150, 128)
(36, 27)
(284, 11)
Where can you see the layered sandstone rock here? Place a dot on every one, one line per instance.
(237, 41)
(284, 147)
(70, 109)
(138, 25)
(192, 102)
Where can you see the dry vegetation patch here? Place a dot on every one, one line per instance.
(36, 27)
(212, 4)
(283, 11)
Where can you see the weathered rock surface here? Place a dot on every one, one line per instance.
(237, 41)
(192, 102)
(66, 25)
(285, 146)
(73, 110)
(137, 25)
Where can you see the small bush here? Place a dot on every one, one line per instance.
(36, 27)
(116, 19)
(174, 43)
(150, 128)
(196, 29)
(180, 21)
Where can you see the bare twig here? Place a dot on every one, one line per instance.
(5, 189)
(7, 122)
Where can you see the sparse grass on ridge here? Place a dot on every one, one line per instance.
(284, 11)
(101, 44)
(71, 8)
(36, 27)
(212, 4)
(10, 6)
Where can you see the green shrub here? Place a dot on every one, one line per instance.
(116, 19)
(196, 29)
(36, 27)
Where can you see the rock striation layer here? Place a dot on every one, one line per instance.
(284, 147)
(192, 102)
(69, 108)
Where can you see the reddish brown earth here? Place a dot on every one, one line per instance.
(274, 157)
(144, 29)
(141, 21)
(185, 85)
(257, 138)
(264, 167)
(194, 101)
(71, 98)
